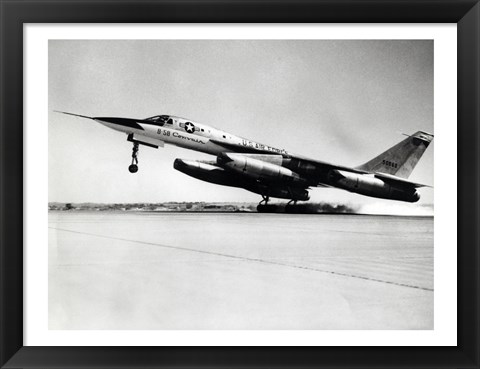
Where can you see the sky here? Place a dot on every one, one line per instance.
(338, 101)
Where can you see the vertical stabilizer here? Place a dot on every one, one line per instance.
(401, 159)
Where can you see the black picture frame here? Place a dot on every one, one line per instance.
(14, 14)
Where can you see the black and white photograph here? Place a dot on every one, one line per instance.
(241, 184)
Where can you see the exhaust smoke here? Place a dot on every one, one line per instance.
(322, 208)
(311, 208)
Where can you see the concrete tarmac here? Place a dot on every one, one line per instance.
(126, 270)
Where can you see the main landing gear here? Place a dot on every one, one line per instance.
(263, 206)
(264, 199)
(291, 207)
(133, 168)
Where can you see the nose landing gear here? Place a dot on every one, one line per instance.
(133, 168)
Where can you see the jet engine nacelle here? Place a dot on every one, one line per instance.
(258, 169)
(210, 172)
(369, 185)
(205, 171)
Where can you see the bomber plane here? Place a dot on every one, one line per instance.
(269, 171)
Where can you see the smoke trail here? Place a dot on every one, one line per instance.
(312, 208)
(395, 208)
(324, 208)
(379, 208)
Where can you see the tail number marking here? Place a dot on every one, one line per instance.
(389, 163)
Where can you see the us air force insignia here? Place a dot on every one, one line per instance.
(189, 127)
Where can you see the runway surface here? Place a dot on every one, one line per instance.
(125, 270)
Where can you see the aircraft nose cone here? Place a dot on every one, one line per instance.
(119, 123)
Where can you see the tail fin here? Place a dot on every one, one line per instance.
(400, 159)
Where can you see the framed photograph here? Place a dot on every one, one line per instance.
(270, 184)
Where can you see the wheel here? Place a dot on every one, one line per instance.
(292, 209)
(133, 168)
(269, 209)
(298, 209)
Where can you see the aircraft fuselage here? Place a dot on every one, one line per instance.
(270, 171)
(188, 135)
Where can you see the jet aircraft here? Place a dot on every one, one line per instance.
(269, 171)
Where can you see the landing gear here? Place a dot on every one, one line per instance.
(290, 208)
(293, 208)
(265, 199)
(263, 206)
(133, 168)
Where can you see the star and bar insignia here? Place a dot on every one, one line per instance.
(189, 127)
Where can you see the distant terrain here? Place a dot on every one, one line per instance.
(311, 208)
(160, 207)
(222, 207)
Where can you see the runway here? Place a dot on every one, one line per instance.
(138, 270)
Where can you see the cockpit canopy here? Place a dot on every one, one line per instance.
(160, 120)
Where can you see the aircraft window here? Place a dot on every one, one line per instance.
(224, 136)
(203, 130)
(170, 121)
(158, 119)
(153, 118)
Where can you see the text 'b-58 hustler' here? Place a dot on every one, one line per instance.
(269, 171)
